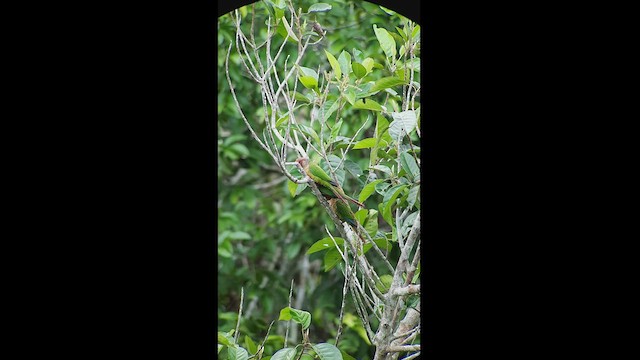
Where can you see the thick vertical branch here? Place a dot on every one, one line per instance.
(392, 300)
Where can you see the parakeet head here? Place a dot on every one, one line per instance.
(302, 161)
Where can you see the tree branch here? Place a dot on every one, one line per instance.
(407, 290)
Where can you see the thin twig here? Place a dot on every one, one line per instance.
(403, 348)
(264, 341)
(375, 246)
(351, 142)
(414, 266)
(344, 297)
(286, 334)
(412, 356)
(239, 314)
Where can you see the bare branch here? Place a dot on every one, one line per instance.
(407, 290)
(286, 334)
(270, 183)
(413, 356)
(414, 266)
(411, 321)
(233, 92)
(403, 348)
(239, 314)
(344, 297)
(375, 247)
(404, 255)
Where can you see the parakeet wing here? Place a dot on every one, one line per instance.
(326, 192)
(317, 171)
(344, 212)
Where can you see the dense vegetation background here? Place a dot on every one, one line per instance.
(265, 232)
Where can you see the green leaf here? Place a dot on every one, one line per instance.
(408, 222)
(386, 41)
(285, 314)
(393, 192)
(368, 64)
(416, 31)
(385, 283)
(414, 193)
(300, 316)
(292, 35)
(324, 244)
(225, 249)
(410, 166)
(300, 189)
(413, 64)
(346, 356)
(402, 33)
(385, 169)
(381, 210)
(327, 351)
(238, 353)
(357, 55)
(308, 131)
(335, 130)
(319, 7)
(300, 97)
(282, 119)
(368, 190)
(389, 200)
(367, 105)
(403, 124)
(331, 259)
(243, 11)
(225, 339)
(251, 346)
(308, 72)
(399, 39)
(334, 65)
(239, 235)
(361, 216)
(233, 138)
(309, 82)
(280, 4)
(365, 143)
(371, 225)
(279, 13)
(335, 161)
(292, 188)
(387, 82)
(359, 70)
(284, 354)
(382, 124)
(355, 324)
(329, 108)
(353, 168)
(350, 96)
(363, 90)
(292, 250)
(383, 243)
(240, 149)
(345, 62)
(388, 11)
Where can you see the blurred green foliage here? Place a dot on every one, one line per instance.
(264, 232)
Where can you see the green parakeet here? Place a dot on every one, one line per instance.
(343, 211)
(321, 178)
